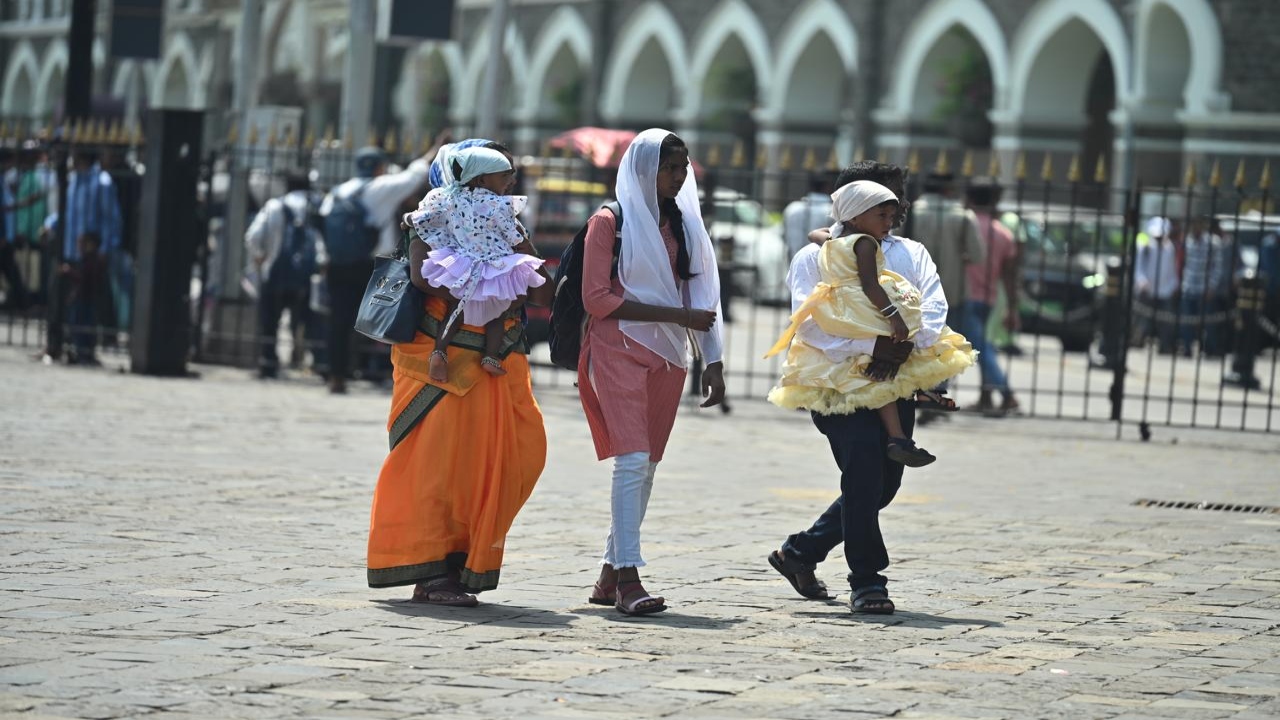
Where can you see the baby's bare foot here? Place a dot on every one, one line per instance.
(438, 367)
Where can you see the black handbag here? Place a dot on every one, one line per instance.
(392, 307)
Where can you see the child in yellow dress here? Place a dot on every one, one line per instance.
(858, 298)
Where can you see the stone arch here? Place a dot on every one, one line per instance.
(414, 93)
(53, 73)
(930, 28)
(21, 81)
(634, 75)
(731, 20)
(819, 30)
(178, 75)
(517, 59)
(563, 44)
(1174, 63)
(1054, 53)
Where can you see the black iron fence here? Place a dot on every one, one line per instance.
(1100, 317)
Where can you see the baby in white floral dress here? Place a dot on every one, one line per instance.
(472, 231)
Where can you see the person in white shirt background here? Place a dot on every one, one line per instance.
(809, 212)
(868, 479)
(380, 193)
(1155, 277)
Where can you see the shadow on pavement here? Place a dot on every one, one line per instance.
(504, 615)
(901, 617)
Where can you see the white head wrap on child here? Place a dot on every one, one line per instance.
(477, 161)
(644, 267)
(853, 199)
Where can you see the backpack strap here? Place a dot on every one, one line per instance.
(615, 207)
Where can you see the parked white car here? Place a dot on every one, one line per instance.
(758, 258)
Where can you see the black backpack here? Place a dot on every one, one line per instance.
(296, 260)
(564, 335)
(348, 238)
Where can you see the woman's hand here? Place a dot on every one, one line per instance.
(713, 384)
(898, 328)
(700, 320)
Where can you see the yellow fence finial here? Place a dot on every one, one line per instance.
(1073, 172)
(233, 133)
(966, 165)
(1215, 175)
(309, 141)
(1239, 184)
(1100, 170)
(787, 160)
(943, 165)
(913, 161)
(329, 136)
(1046, 168)
(389, 141)
(713, 156)
(1264, 182)
(1020, 166)
(833, 161)
(860, 155)
(810, 162)
(739, 157)
(253, 135)
(993, 167)
(882, 157)
(113, 135)
(290, 136)
(762, 157)
(346, 139)
(1189, 178)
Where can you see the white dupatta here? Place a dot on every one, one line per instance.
(644, 267)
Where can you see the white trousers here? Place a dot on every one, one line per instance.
(632, 484)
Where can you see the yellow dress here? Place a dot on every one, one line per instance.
(839, 307)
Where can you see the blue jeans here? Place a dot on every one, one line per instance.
(973, 325)
(869, 480)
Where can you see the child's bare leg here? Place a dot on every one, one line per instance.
(493, 332)
(438, 365)
(891, 420)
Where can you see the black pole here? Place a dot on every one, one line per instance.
(76, 105)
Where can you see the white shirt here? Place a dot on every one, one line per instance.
(1155, 272)
(904, 256)
(265, 235)
(382, 198)
(800, 216)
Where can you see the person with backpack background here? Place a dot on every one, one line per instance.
(284, 249)
(361, 220)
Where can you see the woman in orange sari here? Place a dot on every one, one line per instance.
(465, 455)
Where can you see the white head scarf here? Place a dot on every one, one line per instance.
(853, 199)
(477, 161)
(644, 267)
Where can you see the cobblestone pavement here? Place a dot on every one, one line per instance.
(194, 549)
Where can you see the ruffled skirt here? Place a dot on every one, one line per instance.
(486, 288)
(812, 382)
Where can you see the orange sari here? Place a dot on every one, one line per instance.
(453, 482)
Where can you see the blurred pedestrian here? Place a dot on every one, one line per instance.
(284, 248)
(15, 296)
(643, 311)
(88, 297)
(1156, 280)
(984, 281)
(128, 186)
(361, 220)
(1206, 281)
(809, 212)
(92, 207)
(35, 185)
(950, 232)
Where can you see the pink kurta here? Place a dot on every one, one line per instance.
(629, 393)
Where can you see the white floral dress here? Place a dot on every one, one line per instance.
(472, 233)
